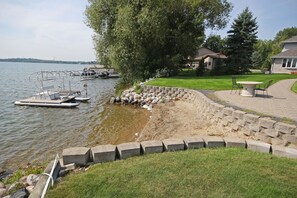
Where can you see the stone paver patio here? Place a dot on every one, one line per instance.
(281, 101)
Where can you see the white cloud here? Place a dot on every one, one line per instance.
(45, 29)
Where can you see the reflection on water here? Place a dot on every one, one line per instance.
(34, 133)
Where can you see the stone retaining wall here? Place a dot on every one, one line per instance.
(107, 153)
(233, 121)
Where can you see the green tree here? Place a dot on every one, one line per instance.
(281, 36)
(256, 59)
(219, 68)
(201, 69)
(142, 36)
(240, 41)
(215, 43)
(261, 57)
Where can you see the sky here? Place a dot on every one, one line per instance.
(45, 29)
(55, 29)
(272, 16)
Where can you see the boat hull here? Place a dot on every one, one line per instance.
(82, 99)
(45, 104)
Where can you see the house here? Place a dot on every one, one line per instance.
(210, 57)
(286, 61)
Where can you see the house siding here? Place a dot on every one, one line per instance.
(277, 66)
(209, 57)
(289, 52)
(207, 61)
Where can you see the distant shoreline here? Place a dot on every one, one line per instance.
(33, 60)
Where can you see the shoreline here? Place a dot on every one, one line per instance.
(119, 124)
(175, 118)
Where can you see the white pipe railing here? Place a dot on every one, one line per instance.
(50, 176)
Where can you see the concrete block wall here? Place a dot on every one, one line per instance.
(83, 156)
(108, 153)
(233, 121)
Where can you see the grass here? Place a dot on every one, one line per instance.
(294, 87)
(187, 79)
(18, 174)
(226, 172)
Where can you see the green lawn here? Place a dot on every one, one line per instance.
(294, 87)
(189, 80)
(225, 172)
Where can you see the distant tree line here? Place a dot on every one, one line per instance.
(33, 60)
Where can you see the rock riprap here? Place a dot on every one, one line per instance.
(146, 98)
(21, 188)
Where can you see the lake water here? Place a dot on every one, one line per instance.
(35, 133)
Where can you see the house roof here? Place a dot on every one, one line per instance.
(291, 53)
(204, 52)
(291, 40)
(217, 55)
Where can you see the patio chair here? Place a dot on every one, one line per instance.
(264, 88)
(235, 85)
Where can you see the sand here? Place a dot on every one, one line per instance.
(175, 119)
(178, 119)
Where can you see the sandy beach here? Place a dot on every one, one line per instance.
(178, 119)
(175, 119)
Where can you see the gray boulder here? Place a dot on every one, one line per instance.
(32, 179)
(2, 191)
(112, 100)
(118, 99)
(22, 193)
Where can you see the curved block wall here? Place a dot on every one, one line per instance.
(233, 121)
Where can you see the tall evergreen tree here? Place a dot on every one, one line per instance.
(240, 41)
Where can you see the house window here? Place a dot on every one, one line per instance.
(294, 63)
(284, 62)
(289, 62)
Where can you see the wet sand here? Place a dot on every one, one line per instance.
(120, 123)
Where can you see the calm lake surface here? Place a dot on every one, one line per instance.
(36, 133)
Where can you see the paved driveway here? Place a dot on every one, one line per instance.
(281, 102)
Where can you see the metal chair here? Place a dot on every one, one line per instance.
(264, 88)
(235, 85)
